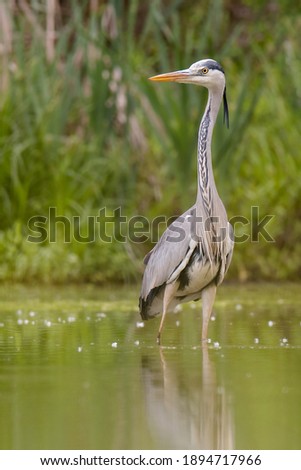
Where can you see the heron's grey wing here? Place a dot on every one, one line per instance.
(170, 253)
(147, 257)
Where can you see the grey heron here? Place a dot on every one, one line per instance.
(194, 253)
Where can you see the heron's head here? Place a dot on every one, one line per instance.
(207, 73)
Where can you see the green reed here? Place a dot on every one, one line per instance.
(82, 128)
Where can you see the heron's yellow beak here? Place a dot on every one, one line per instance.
(171, 76)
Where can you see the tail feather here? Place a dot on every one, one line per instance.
(149, 307)
(143, 308)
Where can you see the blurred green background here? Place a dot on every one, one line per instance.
(82, 128)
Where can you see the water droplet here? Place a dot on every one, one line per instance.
(101, 315)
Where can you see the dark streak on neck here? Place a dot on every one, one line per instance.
(202, 160)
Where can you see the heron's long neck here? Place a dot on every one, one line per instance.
(206, 184)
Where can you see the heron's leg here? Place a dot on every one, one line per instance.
(169, 292)
(208, 297)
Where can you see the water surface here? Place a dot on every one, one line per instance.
(79, 370)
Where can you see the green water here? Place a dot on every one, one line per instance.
(79, 371)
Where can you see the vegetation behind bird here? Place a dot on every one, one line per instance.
(81, 128)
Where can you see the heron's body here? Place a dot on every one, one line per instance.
(192, 256)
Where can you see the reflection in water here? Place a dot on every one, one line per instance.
(63, 385)
(187, 408)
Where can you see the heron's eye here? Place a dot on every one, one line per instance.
(204, 70)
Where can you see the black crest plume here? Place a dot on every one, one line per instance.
(226, 109)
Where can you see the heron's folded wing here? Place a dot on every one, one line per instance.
(169, 253)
